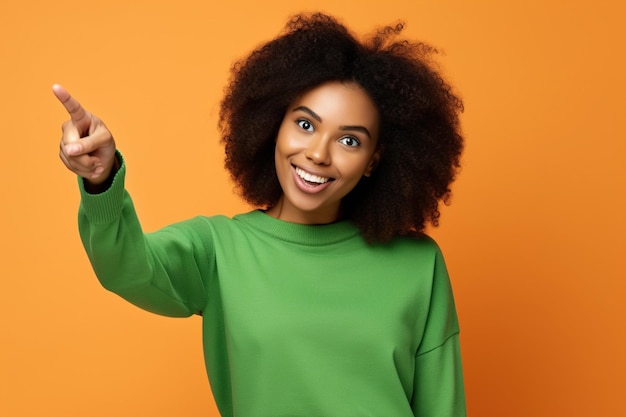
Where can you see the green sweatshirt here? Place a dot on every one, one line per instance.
(298, 320)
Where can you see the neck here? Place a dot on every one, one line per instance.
(281, 211)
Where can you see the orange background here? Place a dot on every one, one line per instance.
(534, 238)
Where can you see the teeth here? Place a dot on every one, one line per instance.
(310, 177)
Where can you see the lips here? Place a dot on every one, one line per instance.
(311, 177)
(310, 183)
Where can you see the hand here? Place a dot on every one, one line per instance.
(87, 146)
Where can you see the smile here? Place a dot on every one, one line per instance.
(310, 177)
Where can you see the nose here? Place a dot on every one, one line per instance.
(318, 150)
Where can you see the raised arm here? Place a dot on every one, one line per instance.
(164, 272)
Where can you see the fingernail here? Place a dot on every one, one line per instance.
(72, 148)
(98, 170)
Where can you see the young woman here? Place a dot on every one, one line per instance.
(327, 300)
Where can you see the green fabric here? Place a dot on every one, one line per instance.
(297, 320)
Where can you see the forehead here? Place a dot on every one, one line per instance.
(342, 103)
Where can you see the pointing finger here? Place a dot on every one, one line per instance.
(80, 117)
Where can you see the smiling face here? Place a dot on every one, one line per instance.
(327, 141)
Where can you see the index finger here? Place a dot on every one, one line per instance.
(80, 117)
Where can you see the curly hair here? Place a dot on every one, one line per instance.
(419, 135)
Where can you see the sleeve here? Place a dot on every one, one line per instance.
(438, 389)
(166, 272)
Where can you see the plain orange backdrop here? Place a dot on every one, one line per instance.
(534, 238)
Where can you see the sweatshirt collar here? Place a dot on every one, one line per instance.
(304, 234)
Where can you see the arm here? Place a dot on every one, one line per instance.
(438, 389)
(163, 272)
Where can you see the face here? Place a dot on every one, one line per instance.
(326, 143)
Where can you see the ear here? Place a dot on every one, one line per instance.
(373, 163)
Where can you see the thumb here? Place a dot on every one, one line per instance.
(99, 139)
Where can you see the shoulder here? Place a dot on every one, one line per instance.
(412, 244)
(202, 223)
(224, 226)
(406, 256)
(200, 228)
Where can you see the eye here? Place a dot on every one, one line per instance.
(305, 125)
(349, 141)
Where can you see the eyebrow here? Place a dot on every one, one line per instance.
(314, 115)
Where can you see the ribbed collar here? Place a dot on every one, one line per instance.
(310, 235)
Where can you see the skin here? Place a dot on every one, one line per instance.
(87, 146)
(330, 132)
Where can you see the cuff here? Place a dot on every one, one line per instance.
(107, 205)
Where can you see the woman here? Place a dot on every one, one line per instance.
(327, 300)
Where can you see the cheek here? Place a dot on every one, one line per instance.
(352, 168)
(282, 157)
(285, 142)
(279, 160)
